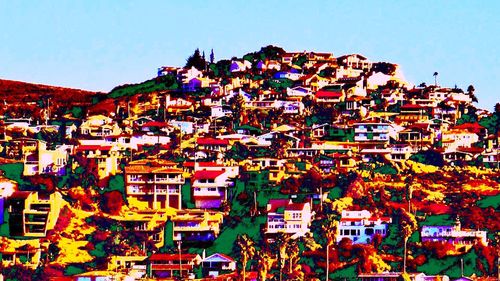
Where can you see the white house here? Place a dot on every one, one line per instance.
(361, 226)
(288, 217)
(453, 234)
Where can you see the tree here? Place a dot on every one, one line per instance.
(470, 92)
(264, 262)
(408, 226)
(212, 56)
(293, 252)
(196, 60)
(330, 229)
(236, 103)
(435, 78)
(281, 242)
(247, 251)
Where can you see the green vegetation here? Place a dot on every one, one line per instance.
(158, 84)
(14, 171)
(489, 201)
(227, 238)
(438, 220)
(186, 195)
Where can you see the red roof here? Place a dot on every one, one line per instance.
(327, 94)
(204, 174)
(274, 204)
(411, 106)
(351, 219)
(473, 150)
(93, 147)
(172, 257)
(284, 203)
(155, 124)
(471, 127)
(211, 141)
(209, 164)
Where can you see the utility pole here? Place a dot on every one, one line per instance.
(180, 257)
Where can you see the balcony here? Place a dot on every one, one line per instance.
(173, 180)
(207, 192)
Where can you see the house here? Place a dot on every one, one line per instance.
(26, 253)
(354, 61)
(276, 167)
(213, 145)
(240, 66)
(352, 86)
(371, 132)
(32, 214)
(148, 224)
(401, 152)
(156, 127)
(416, 135)
(107, 158)
(200, 227)
(170, 265)
(185, 127)
(284, 216)
(46, 160)
(214, 265)
(167, 70)
(361, 226)
(412, 113)
(397, 276)
(335, 161)
(298, 92)
(195, 84)
(186, 74)
(219, 111)
(453, 234)
(99, 126)
(178, 105)
(314, 81)
(156, 183)
(134, 265)
(209, 188)
(329, 96)
(462, 153)
(455, 138)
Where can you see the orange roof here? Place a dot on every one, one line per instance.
(144, 169)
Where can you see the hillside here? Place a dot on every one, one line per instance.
(15, 91)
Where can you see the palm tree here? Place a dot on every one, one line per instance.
(408, 226)
(281, 242)
(435, 78)
(247, 251)
(330, 230)
(265, 262)
(293, 252)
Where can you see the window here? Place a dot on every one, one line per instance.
(296, 215)
(133, 177)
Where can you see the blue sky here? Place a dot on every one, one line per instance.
(97, 45)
